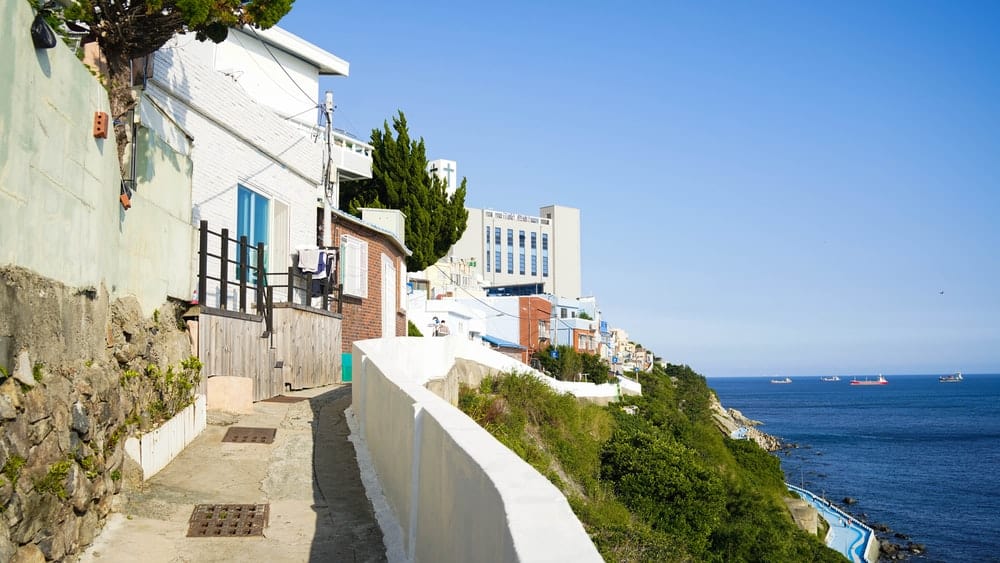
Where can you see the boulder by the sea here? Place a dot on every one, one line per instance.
(744, 421)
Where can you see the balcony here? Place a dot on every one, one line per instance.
(352, 159)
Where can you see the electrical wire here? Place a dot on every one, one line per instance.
(281, 66)
(518, 317)
(301, 112)
(505, 313)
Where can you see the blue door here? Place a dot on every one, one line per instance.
(252, 216)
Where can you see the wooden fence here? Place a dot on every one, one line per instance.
(276, 328)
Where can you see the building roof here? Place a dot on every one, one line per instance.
(501, 343)
(375, 228)
(327, 63)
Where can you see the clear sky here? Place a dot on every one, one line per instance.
(765, 187)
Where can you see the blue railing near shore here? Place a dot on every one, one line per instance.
(847, 535)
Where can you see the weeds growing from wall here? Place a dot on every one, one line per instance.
(12, 468)
(55, 480)
(158, 393)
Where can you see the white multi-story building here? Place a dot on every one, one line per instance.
(250, 104)
(524, 255)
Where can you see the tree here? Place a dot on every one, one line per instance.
(568, 364)
(595, 368)
(130, 29)
(434, 221)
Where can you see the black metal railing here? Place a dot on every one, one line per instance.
(230, 264)
(247, 276)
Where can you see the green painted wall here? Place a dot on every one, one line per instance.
(59, 186)
(158, 241)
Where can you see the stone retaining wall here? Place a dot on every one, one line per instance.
(64, 415)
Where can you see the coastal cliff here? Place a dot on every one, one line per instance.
(732, 422)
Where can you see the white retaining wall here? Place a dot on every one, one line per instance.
(154, 450)
(458, 494)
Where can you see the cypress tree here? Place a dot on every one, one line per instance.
(400, 180)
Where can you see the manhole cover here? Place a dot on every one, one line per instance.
(227, 520)
(246, 434)
(284, 399)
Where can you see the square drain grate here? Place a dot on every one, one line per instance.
(249, 435)
(284, 399)
(227, 520)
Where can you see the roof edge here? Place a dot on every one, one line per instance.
(328, 63)
(371, 226)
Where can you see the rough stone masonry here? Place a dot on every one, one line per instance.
(64, 413)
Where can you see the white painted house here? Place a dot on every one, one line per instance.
(251, 106)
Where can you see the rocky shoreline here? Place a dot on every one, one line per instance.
(893, 546)
(731, 421)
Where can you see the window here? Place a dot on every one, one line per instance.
(520, 247)
(545, 255)
(389, 293)
(402, 284)
(488, 249)
(354, 266)
(252, 216)
(510, 251)
(534, 254)
(496, 247)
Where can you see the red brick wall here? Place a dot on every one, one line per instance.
(531, 310)
(363, 317)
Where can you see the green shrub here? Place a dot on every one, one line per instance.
(661, 485)
(412, 330)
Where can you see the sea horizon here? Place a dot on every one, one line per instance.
(995, 373)
(914, 453)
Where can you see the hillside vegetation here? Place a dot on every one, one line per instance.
(650, 477)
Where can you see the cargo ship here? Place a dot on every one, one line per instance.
(878, 381)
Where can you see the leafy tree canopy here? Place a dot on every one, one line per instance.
(128, 29)
(569, 364)
(400, 180)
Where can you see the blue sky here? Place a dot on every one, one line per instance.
(765, 187)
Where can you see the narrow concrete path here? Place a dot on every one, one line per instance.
(847, 535)
(309, 476)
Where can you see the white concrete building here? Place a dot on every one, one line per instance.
(250, 107)
(541, 254)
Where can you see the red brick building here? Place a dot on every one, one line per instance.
(535, 313)
(372, 269)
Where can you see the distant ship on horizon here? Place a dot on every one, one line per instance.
(878, 381)
(954, 378)
(830, 378)
(782, 381)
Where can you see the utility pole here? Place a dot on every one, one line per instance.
(331, 186)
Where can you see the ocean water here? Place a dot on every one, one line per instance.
(921, 457)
